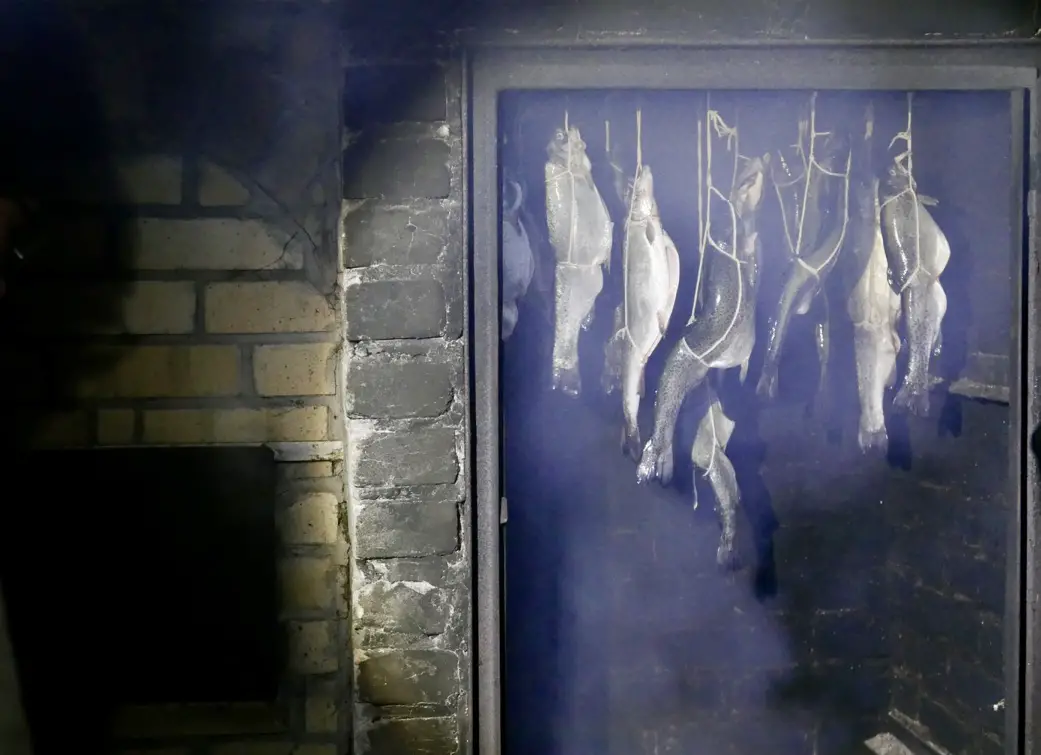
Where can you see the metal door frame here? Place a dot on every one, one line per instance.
(875, 66)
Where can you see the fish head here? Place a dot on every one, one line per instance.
(643, 204)
(568, 150)
(898, 176)
(747, 191)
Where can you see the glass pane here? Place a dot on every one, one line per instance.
(756, 419)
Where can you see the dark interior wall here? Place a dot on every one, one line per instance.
(946, 578)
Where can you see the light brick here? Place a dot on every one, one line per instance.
(295, 370)
(268, 307)
(218, 188)
(312, 647)
(115, 427)
(152, 179)
(321, 711)
(305, 469)
(163, 372)
(215, 244)
(154, 307)
(308, 584)
(310, 520)
(61, 430)
(141, 308)
(235, 425)
(253, 748)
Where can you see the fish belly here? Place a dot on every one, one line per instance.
(874, 310)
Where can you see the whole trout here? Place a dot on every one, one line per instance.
(651, 273)
(874, 309)
(806, 276)
(722, 335)
(918, 253)
(708, 455)
(580, 231)
(518, 262)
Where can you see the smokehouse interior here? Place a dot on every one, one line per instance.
(755, 370)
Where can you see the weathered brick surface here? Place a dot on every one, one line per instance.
(312, 647)
(310, 520)
(411, 234)
(308, 584)
(295, 370)
(414, 457)
(405, 530)
(372, 94)
(417, 388)
(151, 179)
(137, 308)
(377, 310)
(408, 677)
(266, 307)
(414, 736)
(397, 168)
(163, 372)
(215, 244)
(235, 425)
(218, 188)
(62, 430)
(408, 607)
(116, 426)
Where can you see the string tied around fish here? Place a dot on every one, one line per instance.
(707, 190)
(903, 166)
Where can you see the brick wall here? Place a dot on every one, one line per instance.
(183, 292)
(403, 248)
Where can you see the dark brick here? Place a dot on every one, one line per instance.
(396, 168)
(406, 530)
(377, 234)
(403, 608)
(410, 457)
(394, 93)
(437, 571)
(945, 728)
(414, 736)
(409, 677)
(379, 310)
(399, 389)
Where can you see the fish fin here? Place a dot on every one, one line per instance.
(743, 375)
(928, 201)
(640, 389)
(663, 322)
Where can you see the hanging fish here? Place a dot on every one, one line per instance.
(708, 455)
(581, 232)
(918, 253)
(874, 309)
(808, 271)
(722, 335)
(873, 305)
(651, 273)
(518, 262)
